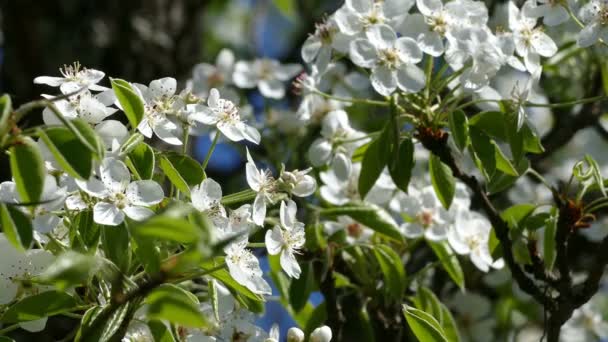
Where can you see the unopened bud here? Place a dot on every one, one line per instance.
(321, 334)
(295, 335)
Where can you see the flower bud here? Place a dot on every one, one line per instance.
(295, 335)
(321, 334)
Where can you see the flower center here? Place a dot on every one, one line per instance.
(71, 72)
(228, 111)
(325, 32)
(438, 24)
(603, 14)
(354, 230)
(373, 17)
(425, 218)
(389, 58)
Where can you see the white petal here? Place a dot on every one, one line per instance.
(381, 36)
(319, 152)
(163, 87)
(203, 114)
(243, 76)
(114, 175)
(91, 110)
(384, 80)
(138, 213)
(289, 264)
(543, 44)
(107, 214)
(214, 96)
(408, 50)
(305, 187)
(361, 6)
(93, 187)
(45, 223)
(285, 72)
(310, 48)
(273, 88)
(412, 230)
(429, 7)
(287, 214)
(144, 128)
(274, 241)
(112, 130)
(363, 53)
(411, 78)
(436, 232)
(556, 15)
(589, 35)
(431, 43)
(144, 192)
(259, 210)
(251, 134)
(342, 166)
(48, 80)
(348, 22)
(456, 243)
(168, 132)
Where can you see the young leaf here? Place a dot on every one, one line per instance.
(73, 157)
(516, 214)
(95, 326)
(115, 245)
(442, 180)
(6, 108)
(182, 171)
(27, 168)
(491, 123)
(160, 331)
(70, 269)
(88, 233)
(374, 161)
(449, 262)
(163, 227)
(130, 101)
(224, 277)
(424, 326)
(484, 150)
(401, 165)
(502, 162)
(428, 302)
(40, 305)
(141, 161)
(459, 128)
(172, 303)
(392, 269)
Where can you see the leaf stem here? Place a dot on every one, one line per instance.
(211, 149)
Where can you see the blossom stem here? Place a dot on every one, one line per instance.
(211, 149)
(256, 245)
(199, 274)
(538, 176)
(351, 100)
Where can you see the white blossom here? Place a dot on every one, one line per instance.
(244, 267)
(287, 239)
(262, 182)
(208, 76)
(74, 78)
(91, 108)
(552, 12)
(267, 75)
(295, 334)
(298, 183)
(206, 197)
(595, 16)
(321, 334)
(392, 60)
(359, 16)
(225, 116)
(119, 196)
(355, 232)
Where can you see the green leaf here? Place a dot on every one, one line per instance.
(424, 326)
(89, 137)
(286, 7)
(73, 157)
(360, 152)
(131, 103)
(115, 245)
(604, 71)
(147, 252)
(442, 180)
(238, 198)
(172, 303)
(549, 252)
(6, 109)
(141, 161)
(88, 232)
(225, 277)
(484, 151)
(160, 331)
(401, 165)
(459, 128)
(596, 172)
(315, 238)
(449, 262)
(428, 302)
(374, 161)
(392, 270)
(182, 171)
(41, 305)
(371, 216)
(300, 288)
(502, 162)
(491, 123)
(532, 142)
(16, 226)
(516, 214)
(97, 326)
(164, 227)
(27, 168)
(70, 269)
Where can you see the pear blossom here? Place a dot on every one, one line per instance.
(595, 16)
(295, 334)
(119, 196)
(244, 267)
(287, 239)
(225, 115)
(552, 12)
(470, 235)
(586, 324)
(91, 108)
(392, 60)
(207, 76)
(355, 232)
(313, 105)
(206, 197)
(160, 107)
(273, 334)
(298, 183)
(318, 47)
(18, 267)
(74, 77)
(262, 182)
(321, 334)
(359, 16)
(337, 143)
(340, 190)
(51, 199)
(267, 75)
(427, 217)
(530, 41)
